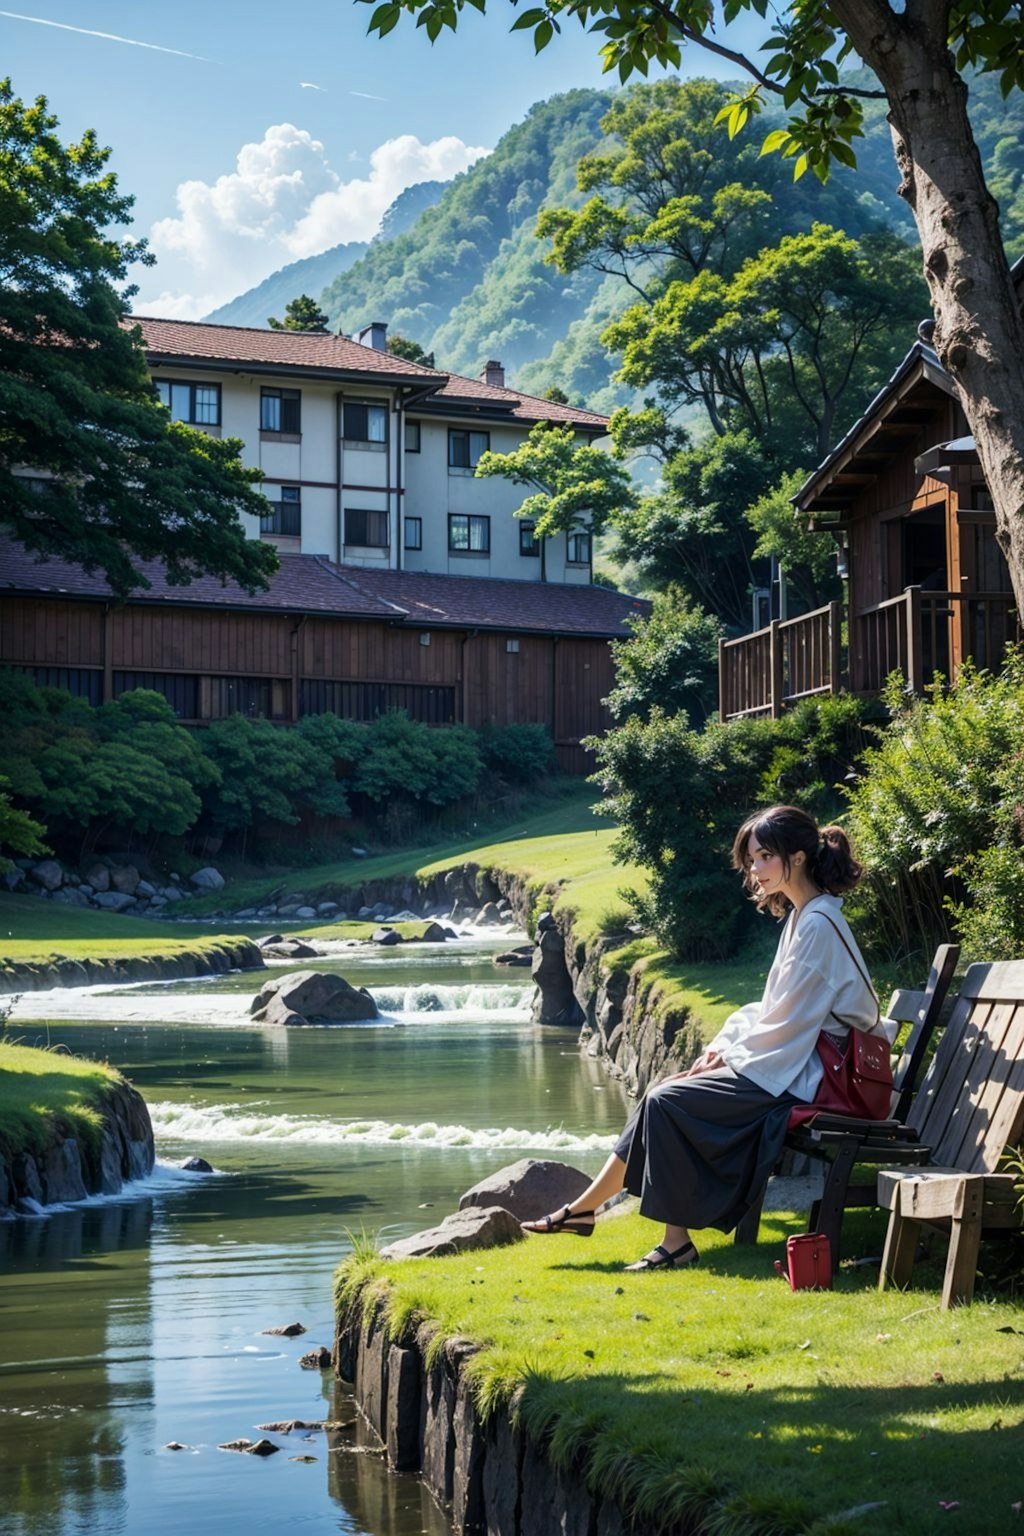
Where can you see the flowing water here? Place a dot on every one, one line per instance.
(130, 1323)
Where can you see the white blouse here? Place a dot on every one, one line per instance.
(812, 976)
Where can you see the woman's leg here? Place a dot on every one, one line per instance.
(607, 1184)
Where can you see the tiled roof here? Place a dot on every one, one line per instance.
(311, 584)
(483, 602)
(192, 339)
(195, 341)
(524, 407)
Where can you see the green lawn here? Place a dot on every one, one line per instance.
(36, 932)
(718, 1393)
(563, 817)
(43, 1089)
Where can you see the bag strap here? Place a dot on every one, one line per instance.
(860, 970)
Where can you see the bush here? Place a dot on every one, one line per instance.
(519, 754)
(936, 815)
(679, 796)
(415, 762)
(671, 662)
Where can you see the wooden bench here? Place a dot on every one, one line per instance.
(844, 1142)
(969, 1109)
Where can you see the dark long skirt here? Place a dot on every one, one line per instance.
(698, 1150)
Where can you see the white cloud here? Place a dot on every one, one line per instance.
(283, 201)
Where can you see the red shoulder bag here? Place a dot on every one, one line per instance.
(856, 1074)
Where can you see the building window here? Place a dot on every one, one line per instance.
(414, 533)
(83, 682)
(179, 689)
(258, 698)
(365, 423)
(465, 448)
(578, 549)
(469, 535)
(285, 514)
(412, 437)
(369, 529)
(529, 544)
(512, 647)
(365, 701)
(197, 404)
(280, 411)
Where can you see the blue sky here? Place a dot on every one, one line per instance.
(252, 134)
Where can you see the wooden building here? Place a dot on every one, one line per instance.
(326, 637)
(926, 583)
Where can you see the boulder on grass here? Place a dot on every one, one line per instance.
(47, 873)
(386, 936)
(531, 1188)
(459, 1233)
(290, 949)
(98, 876)
(312, 997)
(114, 901)
(125, 878)
(433, 933)
(208, 879)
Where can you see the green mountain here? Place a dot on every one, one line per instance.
(312, 274)
(467, 278)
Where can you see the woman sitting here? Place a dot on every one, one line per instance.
(700, 1145)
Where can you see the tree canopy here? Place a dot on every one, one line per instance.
(575, 485)
(92, 469)
(920, 53)
(301, 314)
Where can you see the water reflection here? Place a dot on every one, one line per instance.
(127, 1326)
(75, 1353)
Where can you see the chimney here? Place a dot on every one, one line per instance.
(493, 374)
(374, 335)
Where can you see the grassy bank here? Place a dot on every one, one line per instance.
(720, 1394)
(45, 1091)
(566, 816)
(36, 932)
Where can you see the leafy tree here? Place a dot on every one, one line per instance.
(808, 559)
(19, 833)
(411, 762)
(921, 53)
(575, 484)
(128, 764)
(404, 346)
(263, 773)
(692, 532)
(670, 662)
(778, 348)
(113, 479)
(301, 314)
(555, 395)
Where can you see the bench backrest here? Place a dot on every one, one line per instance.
(921, 1010)
(970, 1106)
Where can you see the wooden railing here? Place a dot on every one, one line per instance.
(920, 633)
(791, 659)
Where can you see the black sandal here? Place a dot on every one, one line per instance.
(567, 1222)
(668, 1260)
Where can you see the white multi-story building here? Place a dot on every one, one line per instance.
(369, 459)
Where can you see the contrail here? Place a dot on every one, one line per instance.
(110, 37)
(365, 95)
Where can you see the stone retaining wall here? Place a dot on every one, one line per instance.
(65, 1172)
(233, 955)
(490, 1477)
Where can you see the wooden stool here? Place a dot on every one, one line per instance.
(965, 1204)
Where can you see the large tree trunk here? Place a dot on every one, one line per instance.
(979, 333)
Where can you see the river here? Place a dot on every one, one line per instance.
(131, 1323)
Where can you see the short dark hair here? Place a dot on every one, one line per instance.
(786, 830)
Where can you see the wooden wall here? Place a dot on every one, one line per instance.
(557, 682)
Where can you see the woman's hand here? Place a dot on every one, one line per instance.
(707, 1062)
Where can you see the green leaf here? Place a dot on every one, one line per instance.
(528, 19)
(775, 140)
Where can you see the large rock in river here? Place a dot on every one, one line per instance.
(312, 997)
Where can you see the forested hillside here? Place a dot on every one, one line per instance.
(468, 278)
(312, 274)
